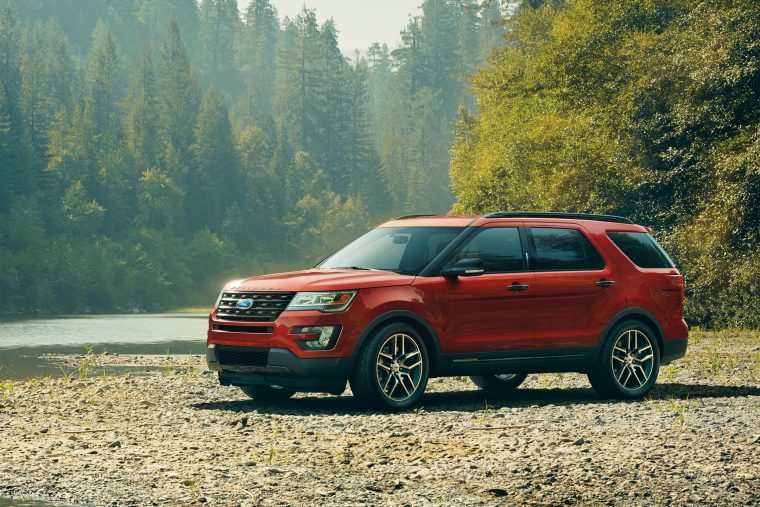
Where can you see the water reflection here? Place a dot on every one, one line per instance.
(25, 340)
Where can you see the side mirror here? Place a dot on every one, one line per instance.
(464, 267)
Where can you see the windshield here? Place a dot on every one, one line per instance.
(404, 250)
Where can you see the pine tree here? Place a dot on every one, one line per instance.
(260, 190)
(112, 178)
(219, 21)
(492, 27)
(332, 147)
(141, 123)
(7, 151)
(10, 84)
(214, 178)
(9, 51)
(379, 79)
(258, 54)
(177, 103)
(299, 80)
(35, 102)
(364, 166)
(159, 200)
(61, 68)
(467, 50)
(155, 15)
(103, 84)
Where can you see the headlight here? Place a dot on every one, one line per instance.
(322, 301)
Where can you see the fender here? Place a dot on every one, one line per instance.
(632, 312)
(394, 315)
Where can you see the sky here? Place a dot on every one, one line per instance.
(359, 22)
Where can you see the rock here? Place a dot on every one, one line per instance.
(497, 492)
(436, 456)
(83, 452)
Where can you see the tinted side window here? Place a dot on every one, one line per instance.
(499, 249)
(642, 249)
(564, 250)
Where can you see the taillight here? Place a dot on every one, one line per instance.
(676, 280)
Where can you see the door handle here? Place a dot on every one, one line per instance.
(605, 283)
(517, 287)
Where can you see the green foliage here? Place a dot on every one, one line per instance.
(646, 109)
(417, 90)
(150, 150)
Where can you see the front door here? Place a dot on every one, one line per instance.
(492, 312)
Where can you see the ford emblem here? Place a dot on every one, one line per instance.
(244, 304)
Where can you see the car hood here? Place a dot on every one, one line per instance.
(319, 280)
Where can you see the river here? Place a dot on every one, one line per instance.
(25, 340)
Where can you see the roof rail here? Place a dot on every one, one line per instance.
(412, 216)
(577, 216)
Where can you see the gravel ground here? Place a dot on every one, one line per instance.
(168, 434)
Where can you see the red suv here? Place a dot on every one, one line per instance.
(494, 297)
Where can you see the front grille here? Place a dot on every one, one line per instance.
(242, 356)
(265, 306)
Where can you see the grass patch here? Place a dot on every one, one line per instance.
(681, 409)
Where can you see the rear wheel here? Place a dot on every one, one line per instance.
(503, 382)
(391, 370)
(629, 362)
(267, 393)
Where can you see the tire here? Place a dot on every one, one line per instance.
(391, 370)
(503, 383)
(628, 364)
(267, 393)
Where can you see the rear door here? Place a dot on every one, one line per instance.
(574, 288)
(491, 312)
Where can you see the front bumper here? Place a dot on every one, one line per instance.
(284, 369)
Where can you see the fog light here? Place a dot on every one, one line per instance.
(323, 339)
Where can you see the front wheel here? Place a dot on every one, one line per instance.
(628, 364)
(266, 393)
(503, 382)
(391, 370)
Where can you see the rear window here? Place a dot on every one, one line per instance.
(642, 249)
(564, 250)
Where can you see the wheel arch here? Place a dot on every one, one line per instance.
(419, 323)
(639, 314)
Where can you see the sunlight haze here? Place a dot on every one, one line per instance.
(360, 23)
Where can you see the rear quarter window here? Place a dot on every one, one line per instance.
(641, 249)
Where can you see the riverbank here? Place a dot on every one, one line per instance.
(163, 432)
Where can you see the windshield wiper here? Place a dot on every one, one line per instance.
(362, 268)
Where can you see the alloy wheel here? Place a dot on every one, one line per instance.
(399, 367)
(632, 359)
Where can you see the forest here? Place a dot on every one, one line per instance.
(151, 150)
(647, 109)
